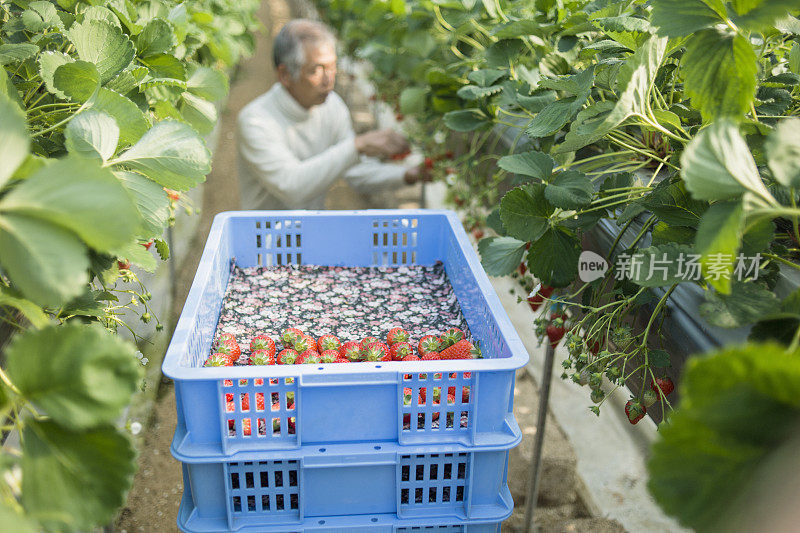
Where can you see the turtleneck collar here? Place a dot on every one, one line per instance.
(288, 105)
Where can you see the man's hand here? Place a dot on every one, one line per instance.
(418, 173)
(381, 143)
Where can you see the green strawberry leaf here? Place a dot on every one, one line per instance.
(525, 212)
(131, 121)
(14, 140)
(92, 134)
(658, 266)
(747, 303)
(465, 120)
(209, 83)
(553, 258)
(569, 190)
(67, 193)
(157, 37)
(739, 407)
(16, 52)
(47, 263)
(719, 236)
(678, 18)
(200, 113)
(11, 520)
(500, 256)
(32, 312)
(73, 481)
(412, 100)
(171, 154)
(720, 68)
(534, 164)
(82, 376)
(104, 45)
(151, 201)
(78, 80)
(783, 152)
(49, 61)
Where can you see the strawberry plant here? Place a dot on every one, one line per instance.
(672, 122)
(102, 107)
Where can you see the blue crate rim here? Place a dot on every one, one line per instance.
(383, 520)
(172, 368)
(354, 449)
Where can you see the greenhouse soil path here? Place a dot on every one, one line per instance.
(153, 502)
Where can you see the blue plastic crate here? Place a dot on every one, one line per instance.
(377, 486)
(337, 403)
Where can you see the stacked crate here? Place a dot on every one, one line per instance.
(348, 454)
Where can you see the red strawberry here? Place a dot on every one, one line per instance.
(555, 331)
(341, 359)
(465, 395)
(522, 268)
(377, 351)
(290, 335)
(429, 163)
(429, 343)
(635, 410)
(665, 384)
(225, 338)
(231, 350)
(448, 154)
(262, 342)
(410, 357)
(399, 350)
(124, 264)
(308, 357)
(245, 402)
(304, 343)
(478, 234)
(217, 359)
(287, 357)
(400, 156)
(366, 341)
(430, 356)
(246, 427)
(535, 301)
(259, 401)
(328, 356)
(328, 342)
(173, 195)
(463, 349)
(351, 350)
(398, 117)
(396, 335)
(262, 357)
(147, 244)
(451, 336)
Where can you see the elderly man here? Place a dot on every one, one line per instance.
(296, 139)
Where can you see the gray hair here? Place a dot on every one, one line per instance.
(290, 44)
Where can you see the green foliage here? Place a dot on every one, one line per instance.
(738, 406)
(85, 154)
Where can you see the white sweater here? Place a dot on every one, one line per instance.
(289, 155)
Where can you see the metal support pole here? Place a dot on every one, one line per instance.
(538, 445)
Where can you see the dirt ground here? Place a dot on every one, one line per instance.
(153, 502)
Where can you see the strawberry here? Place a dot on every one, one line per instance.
(465, 395)
(398, 117)
(340, 359)
(449, 154)
(428, 163)
(463, 349)
(147, 244)
(410, 357)
(245, 402)
(173, 195)
(430, 356)
(246, 427)
(262, 342)
(399, 350)
(649, 397)
(290, 335)
(635, 410)
(304, 343)
(451, 336)
(665, 384)
(366, 341)
(400, 156)
(377, 351)
(396, 335)
(262, 357)
(535, 301)
(522, 268)
(217, 359)
(225, 338)
(328, 342)
(328, 356)
(231, 350)
(555, 331)
(478, 234)
(429, 343)
(308, 357)
(351, 350)
(287, 357)
(124, 264)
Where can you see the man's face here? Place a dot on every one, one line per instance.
(317, 76)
